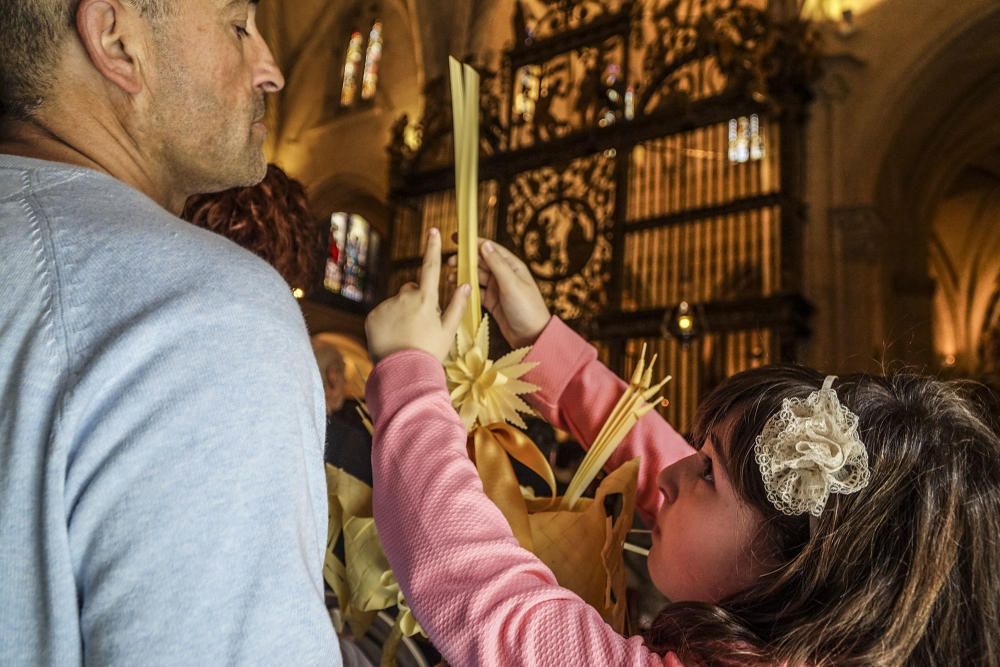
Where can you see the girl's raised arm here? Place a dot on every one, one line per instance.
(578, 393)
(482, 598)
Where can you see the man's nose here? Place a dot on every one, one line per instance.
(267, 75)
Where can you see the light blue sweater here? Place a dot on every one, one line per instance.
(162, 494)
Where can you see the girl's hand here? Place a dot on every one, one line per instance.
(511, 295)
(412, 320)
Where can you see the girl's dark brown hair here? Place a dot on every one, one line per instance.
(904, 572)
(271, 220)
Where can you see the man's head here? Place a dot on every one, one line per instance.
(332, 370)
(179, 85)
(32, 36)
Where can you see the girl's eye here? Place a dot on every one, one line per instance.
(707, 473)
(241, 32)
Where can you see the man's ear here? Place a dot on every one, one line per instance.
(104, 30)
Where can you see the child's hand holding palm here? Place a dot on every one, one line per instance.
(510, 295)
(412, 319)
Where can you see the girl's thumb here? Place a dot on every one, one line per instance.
(452, 318)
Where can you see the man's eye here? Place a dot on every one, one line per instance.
(241, 32)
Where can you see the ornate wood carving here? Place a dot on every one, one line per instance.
(638, 152)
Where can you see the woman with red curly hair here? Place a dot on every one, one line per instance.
(270, 219)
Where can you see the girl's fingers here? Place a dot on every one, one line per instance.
(516, 266)
(490, 302)
(483, 279)
(430, 271)
(452, 318)
(501, 270)
(512, 260)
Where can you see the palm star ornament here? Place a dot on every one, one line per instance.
(484, 391)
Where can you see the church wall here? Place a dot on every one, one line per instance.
(339, 153)
(900, 112)
(965, 264)
(902, 109)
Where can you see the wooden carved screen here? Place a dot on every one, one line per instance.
(637, 155)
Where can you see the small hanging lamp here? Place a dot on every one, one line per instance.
(685, 322)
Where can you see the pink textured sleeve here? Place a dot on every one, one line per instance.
(482, 599)
(577, 394)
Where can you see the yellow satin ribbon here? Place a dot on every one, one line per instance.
(492, 448)
(582, 546)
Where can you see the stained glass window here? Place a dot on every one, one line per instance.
(612, 82)
(746, 140)
(352, 257)
(630, 103)
(370, 82)
(352, 68)
(528, 90)
(333, 275)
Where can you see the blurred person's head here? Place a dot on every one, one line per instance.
(344, 364)
(166, 95)
(331, 370)
(270, 219)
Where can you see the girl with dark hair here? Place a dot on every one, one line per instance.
(812, 520)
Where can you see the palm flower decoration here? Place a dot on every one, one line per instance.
(484, 391)
(639, 399)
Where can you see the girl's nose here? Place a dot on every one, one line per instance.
(672, 478)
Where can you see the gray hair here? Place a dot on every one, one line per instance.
(31, 38)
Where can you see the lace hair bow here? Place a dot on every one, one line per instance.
(810, 449)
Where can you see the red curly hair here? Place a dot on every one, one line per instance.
(270, 219)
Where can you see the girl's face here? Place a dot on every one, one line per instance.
(704, 538)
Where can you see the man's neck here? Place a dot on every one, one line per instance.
(78, 144)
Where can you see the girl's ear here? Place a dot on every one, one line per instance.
(108, 31)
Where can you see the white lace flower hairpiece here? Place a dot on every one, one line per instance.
(810, 449)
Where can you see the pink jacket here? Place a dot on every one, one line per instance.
(482, 599)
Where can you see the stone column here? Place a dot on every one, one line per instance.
(859, 284)
(823, 272)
